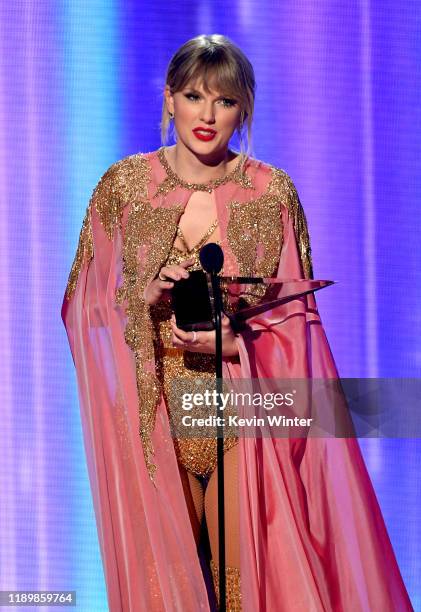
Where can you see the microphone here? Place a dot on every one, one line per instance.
(211, 257)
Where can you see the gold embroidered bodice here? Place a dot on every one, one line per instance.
(177, 255)
(196, 454)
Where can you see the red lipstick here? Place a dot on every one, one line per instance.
(203, 133)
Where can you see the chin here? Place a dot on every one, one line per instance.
(209, 147)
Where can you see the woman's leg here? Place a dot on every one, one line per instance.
(232, 535)
(193, 491)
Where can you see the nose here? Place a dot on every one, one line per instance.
(207, 114)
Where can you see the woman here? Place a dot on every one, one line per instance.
(304, 530)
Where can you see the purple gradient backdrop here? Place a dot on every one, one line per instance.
(337, 107)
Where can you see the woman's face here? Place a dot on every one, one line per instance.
(194, 108)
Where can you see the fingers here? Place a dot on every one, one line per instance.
(182, 338)
(180, 334)
(187, 262)
(195, 342)
(172, 273)
(165, 284)
(176, 272)
(226, 322)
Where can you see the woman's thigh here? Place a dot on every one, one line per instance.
(232, 539)
(194, 494)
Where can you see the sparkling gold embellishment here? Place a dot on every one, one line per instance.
(176, 255)
(121, 183)
(233, 586)
(143, 256)
(282, 185)
(258, 224)
(197, 454)
(124, 182)
(84, 254)
(255, 236)
(172, 180)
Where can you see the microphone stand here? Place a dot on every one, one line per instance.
(216, 290)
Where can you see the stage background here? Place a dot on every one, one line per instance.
(337, 107)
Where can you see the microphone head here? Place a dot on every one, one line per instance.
(211, 257)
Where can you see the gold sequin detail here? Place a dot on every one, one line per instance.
(176, 255)
(197, 454)
(120, 184)
(143, 256)
(282, 186)
(258, 223)
(84, 254)
(124, 182)
(252, 225)
(172, 180)
(233, 586)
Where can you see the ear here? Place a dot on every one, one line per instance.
(169, 99)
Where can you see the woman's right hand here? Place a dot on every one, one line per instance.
(157, 289)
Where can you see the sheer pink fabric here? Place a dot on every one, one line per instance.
(312, 534)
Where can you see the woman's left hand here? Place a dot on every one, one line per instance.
(205, 341)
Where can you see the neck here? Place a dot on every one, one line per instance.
(195, 168)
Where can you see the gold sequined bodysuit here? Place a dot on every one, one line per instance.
(196, 454)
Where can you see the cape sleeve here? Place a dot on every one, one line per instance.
(148, 551)
(308, 510)
(87, 308)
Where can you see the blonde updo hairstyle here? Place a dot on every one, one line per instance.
(221, 65)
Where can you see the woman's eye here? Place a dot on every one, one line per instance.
(228, 102)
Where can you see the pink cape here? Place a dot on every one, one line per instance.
(312, 533)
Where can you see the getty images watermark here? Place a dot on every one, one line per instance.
(223, 401)
(295, 407)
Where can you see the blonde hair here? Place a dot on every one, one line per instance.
(213, 59)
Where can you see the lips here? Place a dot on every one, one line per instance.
(204, 133)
